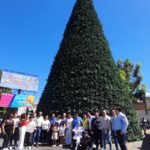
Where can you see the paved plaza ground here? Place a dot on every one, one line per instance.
(131, 146)
(138, 145)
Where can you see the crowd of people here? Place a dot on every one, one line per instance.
(65, 130)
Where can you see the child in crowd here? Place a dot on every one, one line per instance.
(62, 128)
(85, 143)
(77, 135)
(54, 136)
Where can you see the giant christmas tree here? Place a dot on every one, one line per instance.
(84, 76)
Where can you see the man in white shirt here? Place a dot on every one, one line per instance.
(38, 121)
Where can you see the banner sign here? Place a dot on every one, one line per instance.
(19, 100)
(19, 81)
(30, 99)
(5, 99)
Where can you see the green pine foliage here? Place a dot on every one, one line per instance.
(2, 89)
(84, 76)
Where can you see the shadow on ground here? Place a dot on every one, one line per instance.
(146, 143)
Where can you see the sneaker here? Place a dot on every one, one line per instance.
(10, 148)
(15, 147)
(29, 147)
(60, 145)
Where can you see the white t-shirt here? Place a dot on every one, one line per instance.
(78, 132)
(61, 130)
(31, 127)
(45, 124)
(16, 122)
(58, 121)
(38, 121)
(69, 123)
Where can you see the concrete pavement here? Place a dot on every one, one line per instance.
(131, 146)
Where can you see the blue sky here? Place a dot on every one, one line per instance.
(31, 32)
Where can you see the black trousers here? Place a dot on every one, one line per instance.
(44, 136)
(74, 144)
(7, 140)
(97, 135)
(16, 136)
(28, 139)
(121, 140)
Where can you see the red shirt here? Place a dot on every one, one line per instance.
(23, 122)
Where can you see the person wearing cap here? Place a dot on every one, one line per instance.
(8, 130)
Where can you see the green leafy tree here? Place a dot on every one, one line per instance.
(3, 90)
(84, 76)
(132, 76)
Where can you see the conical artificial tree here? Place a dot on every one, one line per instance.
(84, 76)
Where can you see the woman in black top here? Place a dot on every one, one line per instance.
(8, 130)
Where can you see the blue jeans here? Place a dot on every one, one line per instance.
(37, 135)
(113, 133)
(106, 138)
